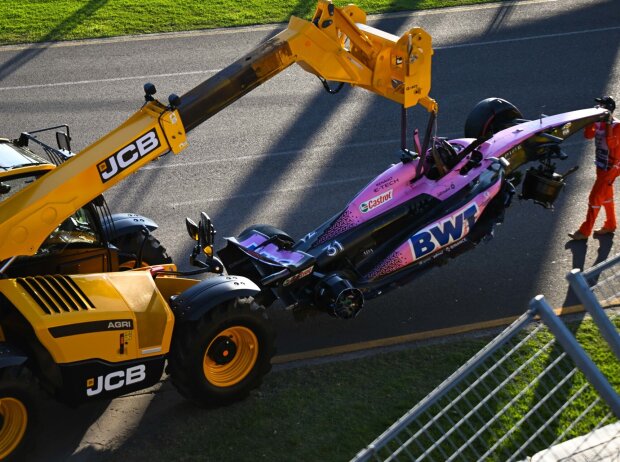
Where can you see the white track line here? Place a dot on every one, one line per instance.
(272, 191)
(259, 28)
(300, 188)
(212, 71)
(523, 39)
(114, 79)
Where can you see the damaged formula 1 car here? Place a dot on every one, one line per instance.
(441, 199)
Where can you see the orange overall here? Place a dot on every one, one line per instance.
(607, 143)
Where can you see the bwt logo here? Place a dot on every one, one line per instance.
(129, 155)
(115, 380)
(376, 201)
(449, 230)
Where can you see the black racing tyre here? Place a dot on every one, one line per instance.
(129, 245)
(490, 116)
(267, 230)
(19, 408)
(217, 360)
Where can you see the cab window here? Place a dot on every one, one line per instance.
(76, 231)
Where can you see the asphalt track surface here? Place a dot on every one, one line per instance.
(291, 155)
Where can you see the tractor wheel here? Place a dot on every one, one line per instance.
(220, 358)
(490, 116)
(19, 405)
(153, 253)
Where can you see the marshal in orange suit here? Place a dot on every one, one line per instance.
(607, 142)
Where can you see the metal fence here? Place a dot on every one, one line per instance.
(529, 390)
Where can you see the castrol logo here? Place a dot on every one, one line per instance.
(376, 201)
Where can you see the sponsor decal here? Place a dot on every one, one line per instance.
(447, 189)
(298, 276)
(333, 249)
(124, 324)
(444, 233)
(283, 257)
(376, 201)
(88, 327)
(128, 155)
(308, 236)
(115, 380)
(124, 340)
(566, 128)
(512, 152)
(446, 250)
(381, 185)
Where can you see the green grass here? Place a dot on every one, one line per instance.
(23, 21)
(329, 412)
(325, 413)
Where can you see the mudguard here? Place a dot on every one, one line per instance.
(127, 223)
(11, 356)
(196, 301)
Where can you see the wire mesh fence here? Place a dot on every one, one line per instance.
(599, 288)
(529, 390)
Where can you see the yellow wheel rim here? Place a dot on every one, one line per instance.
(230, 357)
(14, 422)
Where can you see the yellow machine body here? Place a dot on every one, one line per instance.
(28, 217)
(84, 316)
(104, 334)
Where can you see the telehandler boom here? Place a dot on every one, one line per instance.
(335, 45)
(99, 335)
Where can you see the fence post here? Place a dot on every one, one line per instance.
(576, 352)
(581, 287)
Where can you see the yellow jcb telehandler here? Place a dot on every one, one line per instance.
(83, 314)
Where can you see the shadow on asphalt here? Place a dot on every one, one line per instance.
(65, 427)
(9, 67)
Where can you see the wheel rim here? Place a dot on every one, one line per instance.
(14, 417)
(230, 356)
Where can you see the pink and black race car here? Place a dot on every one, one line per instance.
(441, 199)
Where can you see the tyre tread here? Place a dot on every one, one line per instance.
(190, 338)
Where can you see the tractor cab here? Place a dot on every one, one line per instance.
(78, 244)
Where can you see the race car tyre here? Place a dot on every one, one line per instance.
(217, 360)
(19, 405)
(490, 116)
(153, 253)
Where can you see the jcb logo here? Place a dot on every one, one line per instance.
(116, 380)
(129, 155)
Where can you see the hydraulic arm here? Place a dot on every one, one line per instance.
(29, 216)
(336, 45)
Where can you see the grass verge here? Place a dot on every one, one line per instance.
(53, 20)
(325, 412)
